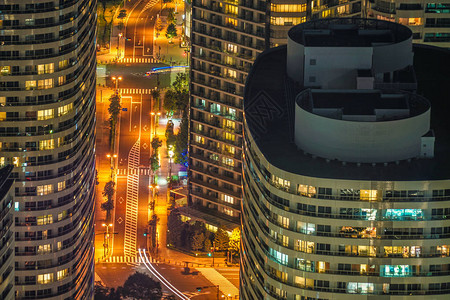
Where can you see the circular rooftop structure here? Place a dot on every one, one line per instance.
(348, 32)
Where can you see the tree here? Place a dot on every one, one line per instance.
(156, 94)
(175, 228)
(156, 143)
(152, 228)
(141, 286)
(171, 16)
(234, 243)
(221, 239)
(171, 32)
(108, 190)
(197, 242)
(122, 14)
(170, 101)
(207, 245)
(114, 108)
(154, 162)
(108, 205)
(181, 141)
(181, 82)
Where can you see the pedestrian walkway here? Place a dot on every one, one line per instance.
(136, 91)
(137, 60)
(225, 286)
(123, 259)
(140, 171)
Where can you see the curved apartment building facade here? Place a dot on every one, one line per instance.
(47, 132)
(317, 222)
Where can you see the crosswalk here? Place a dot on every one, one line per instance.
(138, 60)
(140, 171)
(136, 91)
(123, 259)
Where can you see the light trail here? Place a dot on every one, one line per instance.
(161, 278)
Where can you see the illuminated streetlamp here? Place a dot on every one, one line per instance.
(106, 239)
(171, 153)
(111, 163)
(116, 81)
(154, 123)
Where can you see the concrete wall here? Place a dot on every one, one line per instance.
(335, 67)
(364, 142)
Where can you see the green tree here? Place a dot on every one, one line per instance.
(154, 163)
(108, 205)
(156, 144)
(181, 82)
(221, 239)
(170, 101)
(171, 32)
(234, 243)
(114, 108)
(198, 241)
(141, 286)
(171, 15)
(156, 95)
(181, 140)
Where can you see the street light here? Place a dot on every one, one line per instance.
(116, 81)
(170, 162)
(111, 163)
(154, 123)
(106, 239)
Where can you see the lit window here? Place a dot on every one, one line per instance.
(199, 139)
(304, 246)
(5, 70)
(228, 199)
(228, 211)
(47, 144)
(232, 48)
(403, 214)
(305, 265)
(61, 80)
(395, 271)
(228, 136)
(283, 221)
(45, 278)
(282, 21)
(308, 228)
(59, 246)
(231, 22)
(278, 256)
(16, 161)
(45, 83)
(231, 9)
(2, 115)
(368, 195)
(281, 183)
(62, 110)
(228, 161)
(306, 190)
(63, 64)
(30, 84)
(44, 220)
(62, 274)
(45, 114)
(62, 215)
(288, 7)
(44, 189)
(360, 288)
(230, 149)
(61, 185)
(43, 249)
(230, 73)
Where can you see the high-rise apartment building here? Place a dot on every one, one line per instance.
(346, 190)
(226, 38)
(6, 235)
(47, 122)
(428, 20)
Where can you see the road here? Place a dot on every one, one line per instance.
(139, 28)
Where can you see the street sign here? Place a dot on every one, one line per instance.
(124, 109)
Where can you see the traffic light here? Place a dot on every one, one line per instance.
(199, 289)
(145, 233)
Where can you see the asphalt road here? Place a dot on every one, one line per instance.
(139, 28)
(114, 275)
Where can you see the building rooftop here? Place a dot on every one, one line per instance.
(348, 32)
(269, 102)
